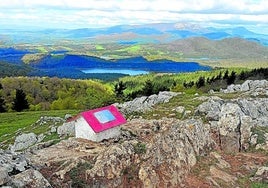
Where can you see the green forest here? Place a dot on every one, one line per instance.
(45, 93)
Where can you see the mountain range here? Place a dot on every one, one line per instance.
(162, 32)
(180, 42)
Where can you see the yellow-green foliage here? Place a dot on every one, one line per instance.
(42, 49)
(29, 58)
(57, 94)
(131, 49)
(99, 47)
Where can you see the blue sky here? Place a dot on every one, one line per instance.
(70, 14)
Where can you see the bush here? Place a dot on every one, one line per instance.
(140, 148)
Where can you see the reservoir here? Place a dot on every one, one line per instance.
(118, 71)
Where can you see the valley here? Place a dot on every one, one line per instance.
(195, 100)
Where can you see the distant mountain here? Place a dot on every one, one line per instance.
(170, 31)
(228, 48)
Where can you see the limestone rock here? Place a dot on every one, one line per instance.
(67, 116)
(180, 109)
(245, 85)
(13, 162)
(24, 141)
(211, 109)
(253, 139)
(216, 173)
(144, 103)
(67, 129)
(255, 87)
(234, 120)
(52, 121)
(147, 156)
(30, 178)
(221, 162)
(4, 177)
(53, 129)
(261, 174)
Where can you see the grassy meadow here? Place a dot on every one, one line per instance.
(14, 123)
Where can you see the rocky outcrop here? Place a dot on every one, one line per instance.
(254, 87)
(235, 119)
(11, 163)
(24, 141)
(156, 153)
(145, 103)
(4, 177)
(173, 153)
(67, 129)
(261, 174)
(30, 178)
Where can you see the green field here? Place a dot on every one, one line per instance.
(13, 123)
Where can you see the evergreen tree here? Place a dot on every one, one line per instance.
(242, 75)
(231, 78)
(219, 76)
(226, 74)
(119, 89)
(2, 105)
(148, 88)
(200, 82)
(20, 102)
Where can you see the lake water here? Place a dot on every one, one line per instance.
(80, 66)
(118, 71)
(139, 65)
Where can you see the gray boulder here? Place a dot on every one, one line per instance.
(30, 178)
(234, 120)
(4, 177)
(254, 87)
(229, 126)
(12, 162)
(249, 108)
(258, 84)
(233, 88)
(261, 174)
(24, 141)
(234, 128)
(211, 109)
(142, 104)
(67, 116)
(255, 108)
(67, 129)
(245, 85)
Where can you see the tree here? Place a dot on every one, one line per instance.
(2, 105)
(200, 82)
(119, 89)
(20, 102)
(148, 88)
(231, 79)
(242, 75)
(226, 74)
(219, 76)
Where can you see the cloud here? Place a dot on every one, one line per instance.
(102, 13)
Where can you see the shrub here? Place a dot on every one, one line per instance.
(140, 148)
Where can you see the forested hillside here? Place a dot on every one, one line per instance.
(8, 69)
(44, 93)
(54, 93)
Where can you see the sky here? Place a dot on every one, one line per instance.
(72, 14)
